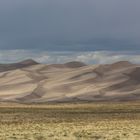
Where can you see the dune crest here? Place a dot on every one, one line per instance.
(18, 65)
(29, 81)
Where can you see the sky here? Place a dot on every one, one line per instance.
(56, 31)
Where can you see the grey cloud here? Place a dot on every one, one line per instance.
(70, 25)
(90, 57)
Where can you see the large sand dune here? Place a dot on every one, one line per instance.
(29, 82)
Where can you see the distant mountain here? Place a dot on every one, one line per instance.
(31, 82)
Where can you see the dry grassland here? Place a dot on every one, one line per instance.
(101, 121)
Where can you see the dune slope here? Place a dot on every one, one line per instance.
(29, 82)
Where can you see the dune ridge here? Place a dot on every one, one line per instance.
(31, 82)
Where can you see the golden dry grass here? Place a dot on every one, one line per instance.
(101, 121)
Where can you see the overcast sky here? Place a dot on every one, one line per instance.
(69, 25)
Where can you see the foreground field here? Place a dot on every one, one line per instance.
(112, 121)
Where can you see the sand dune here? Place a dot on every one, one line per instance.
(29, 81)
(7, 67)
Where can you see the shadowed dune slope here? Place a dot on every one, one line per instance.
(7, 67)
(29, 82)
(74, 64)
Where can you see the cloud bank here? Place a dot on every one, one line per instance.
(70, 25)
(91, 57)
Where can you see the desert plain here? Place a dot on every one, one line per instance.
(78, 121)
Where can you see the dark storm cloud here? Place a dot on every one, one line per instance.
(70, 25)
